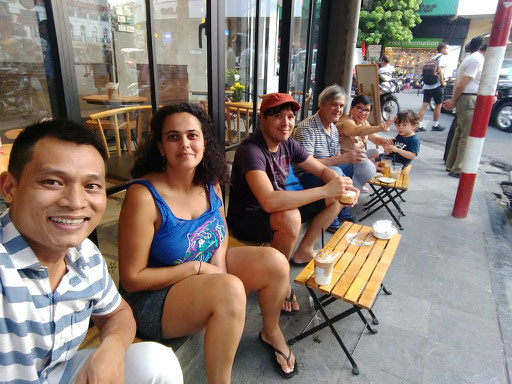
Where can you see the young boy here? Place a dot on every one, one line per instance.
(406, 144)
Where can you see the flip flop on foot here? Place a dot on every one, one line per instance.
(295, 264)
(291, 299)
(273, 352)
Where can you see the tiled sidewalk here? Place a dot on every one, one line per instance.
(440, 325)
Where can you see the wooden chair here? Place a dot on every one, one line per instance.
(117, 120)
(204, 105)
(237, 113)
(139, 111)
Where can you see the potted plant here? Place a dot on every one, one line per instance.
(238, 91)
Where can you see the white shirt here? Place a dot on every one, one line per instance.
(471, 66)
(387, 69)
(41, 330)
(441, 64)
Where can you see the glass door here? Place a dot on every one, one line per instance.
(27, 70)
(181, 50)
(110, 53)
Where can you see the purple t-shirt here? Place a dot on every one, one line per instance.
(253, 154)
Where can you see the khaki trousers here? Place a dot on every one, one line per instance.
(465, 110)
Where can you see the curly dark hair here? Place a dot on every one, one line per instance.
(148, 159)
(407, 116)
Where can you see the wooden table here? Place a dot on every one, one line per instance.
(4, 157)
(199, 92)
(357, 279)
(241, 104)
(385, 193)
(116, 99)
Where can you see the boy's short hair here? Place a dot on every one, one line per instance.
(65, 130)
(407, 116)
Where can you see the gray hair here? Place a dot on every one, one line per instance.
(332, 92)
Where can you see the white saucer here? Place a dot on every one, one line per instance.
(387, 180)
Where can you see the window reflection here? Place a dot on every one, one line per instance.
(112, 65)
(27, 70)
(298, 83)
(181, 50)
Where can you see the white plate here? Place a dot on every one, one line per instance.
(385, 235)
(387, 180)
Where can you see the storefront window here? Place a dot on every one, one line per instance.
(240, 30)
(181, 50)
(298, 83)
(27, 71)
(116, 64)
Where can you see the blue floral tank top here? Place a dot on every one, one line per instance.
(179, 241)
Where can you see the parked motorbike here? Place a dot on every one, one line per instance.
(388, 102)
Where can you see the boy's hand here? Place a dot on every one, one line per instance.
(390, 149)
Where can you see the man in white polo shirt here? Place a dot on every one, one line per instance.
(53, 280)
(464, 98)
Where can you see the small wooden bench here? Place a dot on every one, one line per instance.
(357, 279)
(385, 193)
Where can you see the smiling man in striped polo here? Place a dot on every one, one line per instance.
(53, 279)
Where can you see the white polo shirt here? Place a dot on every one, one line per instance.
(41, 330)
(472, 67)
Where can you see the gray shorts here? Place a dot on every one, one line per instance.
(148, 307)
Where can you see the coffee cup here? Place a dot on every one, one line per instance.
(386, 165)
(348, 197)
(324, 263)
(395, 170)
(112, 89)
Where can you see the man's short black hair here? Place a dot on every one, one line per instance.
(22, 149)
(275, 110)
(385, 58)
(474, 44)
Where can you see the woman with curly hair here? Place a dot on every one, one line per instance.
(173, 256)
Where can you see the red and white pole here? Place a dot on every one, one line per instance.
(486, 90)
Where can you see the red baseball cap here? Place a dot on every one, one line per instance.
(275, 99)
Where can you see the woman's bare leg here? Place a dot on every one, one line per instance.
(265, 270)
(217, 302)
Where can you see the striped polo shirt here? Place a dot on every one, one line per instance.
(311, 134)
(41, 330)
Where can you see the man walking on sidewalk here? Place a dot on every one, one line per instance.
(433, 87)
(464, 98)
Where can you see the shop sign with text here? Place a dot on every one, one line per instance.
(438, 7)
(416, 43)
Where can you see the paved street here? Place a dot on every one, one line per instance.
(448, 321)
(498, 144)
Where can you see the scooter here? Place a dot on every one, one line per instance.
(388, 102)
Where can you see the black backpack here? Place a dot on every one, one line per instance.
(430, 71)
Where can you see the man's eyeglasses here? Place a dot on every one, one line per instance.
(362, 109)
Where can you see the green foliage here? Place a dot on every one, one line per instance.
(389, 20)
(230, 77)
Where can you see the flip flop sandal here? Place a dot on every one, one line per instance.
(295, 264)
(272, 353)
(289, 299)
